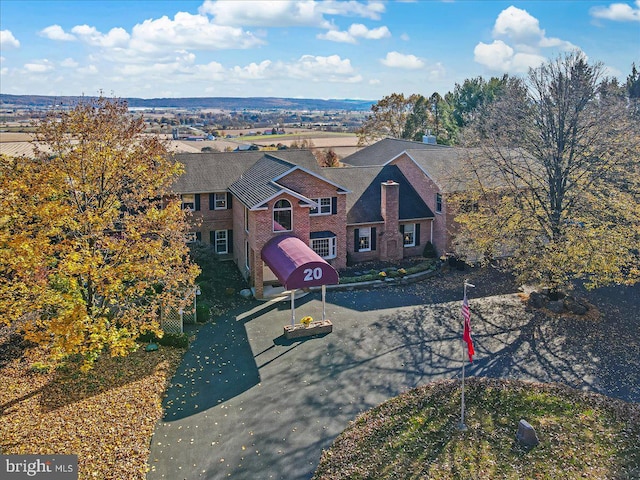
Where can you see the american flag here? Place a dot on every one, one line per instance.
(466, 336)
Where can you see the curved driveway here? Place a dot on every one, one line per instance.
(247, 404)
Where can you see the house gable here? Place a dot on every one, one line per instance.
(363, 204)
(382, 151)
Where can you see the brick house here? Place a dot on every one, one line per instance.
(385, 206)
(433, 171)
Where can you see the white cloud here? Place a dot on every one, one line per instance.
(41, 67)
(190, 32)
(400, 60)
(361, 31)
(286, 13)
(618, 12)
(322, 69)
(69, 63)
(55, 32)
(404, 37)
(518, 43)
(7, 40)
(356, 30)
(253, 71)
(267, 14)
(495, 55)
(117, 37)
(337, 36)
(436, 72)
(518, 25)
(88, 70)
(501, 57)
(370, 10)
(211, 71)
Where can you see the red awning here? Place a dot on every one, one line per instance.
(296, 265)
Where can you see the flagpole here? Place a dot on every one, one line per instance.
(461, 426)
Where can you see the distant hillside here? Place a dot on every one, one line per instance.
(225, 103)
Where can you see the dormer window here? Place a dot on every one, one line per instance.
(282, 213)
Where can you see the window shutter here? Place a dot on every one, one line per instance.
(417, 235)
(356, 238)
(212, 201)
(229, 199)
(334, 205)
(197, 195)
(230, 240)
(212, 236)
(199, 236)
(373, 238)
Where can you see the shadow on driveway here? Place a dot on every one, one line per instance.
(248, 404)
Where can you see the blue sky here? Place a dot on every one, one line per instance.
(311, 49)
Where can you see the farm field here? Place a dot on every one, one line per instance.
(344, 144)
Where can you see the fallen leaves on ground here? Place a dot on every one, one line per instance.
(106, 416)
(416, 435)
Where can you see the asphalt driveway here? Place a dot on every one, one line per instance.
(247, 404)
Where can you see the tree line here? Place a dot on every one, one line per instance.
(410, 117)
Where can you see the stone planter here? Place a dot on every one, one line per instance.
(315, 328)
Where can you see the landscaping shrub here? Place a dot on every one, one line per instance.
(429, 251)
(203, 312)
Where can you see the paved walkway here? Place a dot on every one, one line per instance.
(247, 404)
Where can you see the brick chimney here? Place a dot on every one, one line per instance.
(390, 203)
(391, 239)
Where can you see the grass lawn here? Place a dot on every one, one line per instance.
(415, 435)
(106, 416)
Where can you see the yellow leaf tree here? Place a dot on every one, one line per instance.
(556, 178)
(92, 242)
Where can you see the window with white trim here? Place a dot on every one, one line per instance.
(282, 213)
(247, 262)
(246, 219)
(409, 235)
(323, 208)
(325, 247)
(438, 203)
(191, 237)
(222, 242)
(188, 201)
(364, 240)
(220, 201)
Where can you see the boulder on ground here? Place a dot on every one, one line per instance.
(537, 300)
(556, 306)
(526, 434)
(575, 306)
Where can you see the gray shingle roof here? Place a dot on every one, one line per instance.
(444, 167)
(255, 186)
(363, 203)
(381, 152)
(215, 172)
(443, 164)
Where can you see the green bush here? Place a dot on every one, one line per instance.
(429, 251)
(202, 312)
